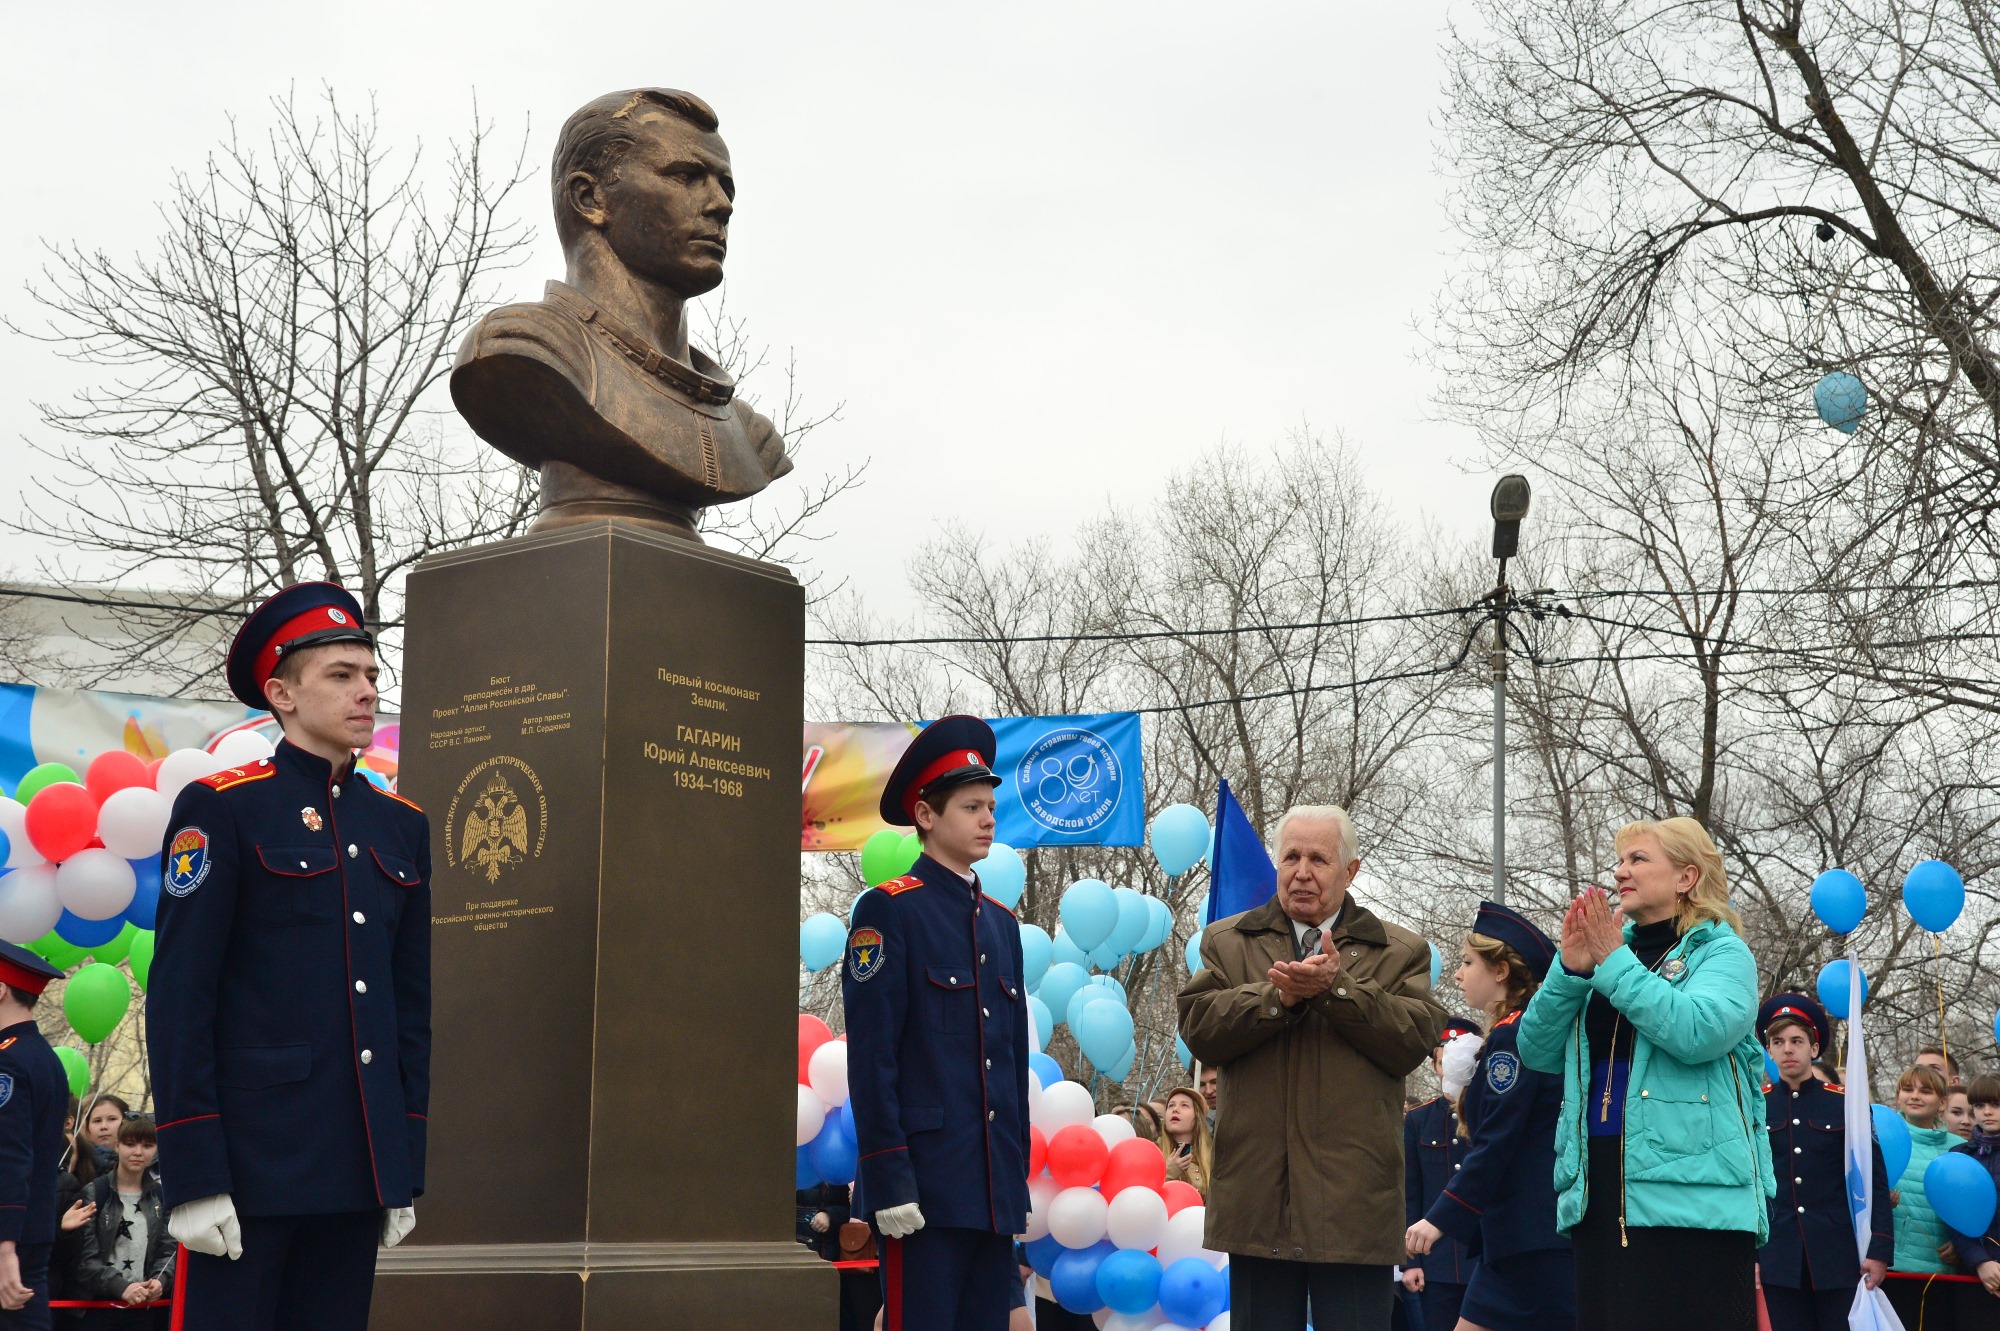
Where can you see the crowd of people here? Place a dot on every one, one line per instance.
(112, 1244)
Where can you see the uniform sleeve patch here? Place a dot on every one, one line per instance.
(6, 1089)
(1502, 1071)
(186, 862)
(864, 953)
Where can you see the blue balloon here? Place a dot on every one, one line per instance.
(1037, 951)
(1003, 874)
(1934, 895)
(1161, 926)
(1892, 1134)
(145, 907)
(1180, 838)
(1839, 899)
(1185, 1054)
(1061, 983)
(1111, 982)
(1194, 953)
(821, 941)
(1192, 1292)
(79, 932)
(1103, 1031)
(1437, 965)
(1045, 1020)
(1082, 999)
(1073, 1278)
(803, 1174)
(1771, 1073)
(834, 1155)
(1062, 948)
(1833, 988)
(1106, 957)
(1046, 1068)
(857, 901)
(1042, 1254)
(1134, 920)
(1961, 1192)
(1089, 912)
(1129, 1281)
(1121, 1067)
(1841, 400)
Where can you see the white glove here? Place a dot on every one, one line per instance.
(208, 1224)
(1461, 1056)
(899, 1222)
(397, 1222)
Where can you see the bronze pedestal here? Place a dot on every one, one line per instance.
(603, 723)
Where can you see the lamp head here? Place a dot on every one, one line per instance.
(1509, 506)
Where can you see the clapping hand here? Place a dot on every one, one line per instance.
(1298, 981)
(1589, 932)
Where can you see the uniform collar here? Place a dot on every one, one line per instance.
(931, 871)
(298, 762)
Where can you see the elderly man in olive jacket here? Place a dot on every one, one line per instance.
(1315, 1011)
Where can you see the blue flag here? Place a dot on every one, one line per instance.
(1241, 875)
(1070, 780)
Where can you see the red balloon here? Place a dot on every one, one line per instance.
(1136, 1163)
(1180, 1195)
(812, 1034)
(1038, 1151)
(61, 820)
(1077, 1155)
(113, 771)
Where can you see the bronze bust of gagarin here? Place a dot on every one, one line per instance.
(596, 385)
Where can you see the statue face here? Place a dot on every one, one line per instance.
(665, 212)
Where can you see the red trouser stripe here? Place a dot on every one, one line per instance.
(892, 1284)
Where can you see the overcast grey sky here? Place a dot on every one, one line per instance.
(1046, 253)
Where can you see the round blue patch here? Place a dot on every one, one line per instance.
(1502, 1071)
(6, 1089)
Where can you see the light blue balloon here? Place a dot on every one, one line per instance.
(1103, 1030)
(1089, 912)
(1065, 949)
(1162, 925)
(1003, 874)
(856, 902)
(821, 940)
(1083, 998)
(1185, 1054)
(1133, 920)
(1841, 400)
(1960, 1190)
(1934, 895)
(1037, 951)
(1437, 965)
(1839, 899)
(1893, 1136)
(1121, 1067)
(1180, 838)
(1833, 988)
(1105, 957)
(1061, 983)
(1045, 1020)
(1194, 952)
(1111, 982)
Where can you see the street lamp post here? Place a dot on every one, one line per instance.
(1509, 506)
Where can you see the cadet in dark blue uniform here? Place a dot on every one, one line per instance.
(1432, 1154)
(34, 1098)
(1809, 1268)
(1504, 1194)
(937, 1049)
(288, 1021)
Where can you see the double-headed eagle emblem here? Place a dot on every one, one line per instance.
(496, 829)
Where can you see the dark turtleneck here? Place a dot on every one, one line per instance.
(1649, 943)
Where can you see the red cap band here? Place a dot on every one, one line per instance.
(315, 620)
(950, 762)
(14, 977)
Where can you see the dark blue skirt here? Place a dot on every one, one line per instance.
(1529, 1291)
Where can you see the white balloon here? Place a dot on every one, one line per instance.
(29, 904)
(133, 822)
(1129, 1322)
(1114, 1128)
(241, 747)
(1076, 1217)
(1183, 1235)
(14, 822)
(1102, 1318)
(1065, 1104)
(181, 766)
(1136, 1218)
(1034, 1096)
(95, 884)
(1219, 1322)
(812, 1114)
(1041, 1192)
(827, 1072)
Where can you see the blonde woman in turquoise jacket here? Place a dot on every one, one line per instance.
(1662, 1171)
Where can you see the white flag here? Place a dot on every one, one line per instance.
(1870, 1310)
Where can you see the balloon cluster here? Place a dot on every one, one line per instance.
(1933, 894)
(826, 1149)
(1107, 1229)
(1101, 926)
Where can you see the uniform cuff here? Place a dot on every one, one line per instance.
(419, 1135)
(194, 1160)
(887, 1179)
(1455, 1217)
(12, 1220)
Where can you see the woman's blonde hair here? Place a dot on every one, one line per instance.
(1521, 982)
(1204, 1142)
(1687, 842)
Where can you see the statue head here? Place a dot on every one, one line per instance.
(644, 176)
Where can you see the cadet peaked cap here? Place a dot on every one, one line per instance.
(306, 614)
(1800, 1007)
(23, 970)
(951, 751)
(1507, 926)
(1457, 1026)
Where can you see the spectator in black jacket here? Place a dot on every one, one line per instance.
(127, 1253)
(822, 1210)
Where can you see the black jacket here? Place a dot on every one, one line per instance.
(828, 1197)
(96, 1275)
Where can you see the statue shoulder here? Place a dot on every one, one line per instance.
(539, 330)
(764, 438)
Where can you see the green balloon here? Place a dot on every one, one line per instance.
(880, 855)
(141, 957)
(907, 853)
(95, 1000)
(113, 952)
(76, 1067)
(58, 951)
(41, 778)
